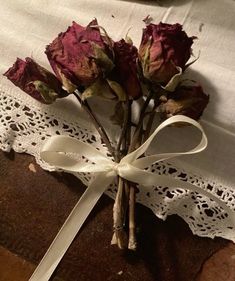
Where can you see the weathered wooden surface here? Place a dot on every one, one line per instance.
(35, 203)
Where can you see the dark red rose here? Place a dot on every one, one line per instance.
(126, 68)
(186, 100)
(80, 55)
(163, 49)
(35, 80)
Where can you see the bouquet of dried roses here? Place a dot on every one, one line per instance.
(87, 63)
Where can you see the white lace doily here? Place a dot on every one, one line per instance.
(25, 124)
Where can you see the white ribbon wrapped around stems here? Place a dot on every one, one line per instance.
(131, 168)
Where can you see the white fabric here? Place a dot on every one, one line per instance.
(27, 26)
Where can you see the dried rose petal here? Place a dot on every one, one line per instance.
(35, 80)
(126, 69)
(186, 100)
(163, 48)
(80, 55)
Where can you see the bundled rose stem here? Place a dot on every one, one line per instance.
(136, 141)
(119, 211)
(119, 208)
(105, 139)
(124, 188)
(119, 236)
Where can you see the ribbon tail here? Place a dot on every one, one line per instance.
(71, 227)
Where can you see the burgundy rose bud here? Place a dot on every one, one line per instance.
(164, 51)
(80, 55)
(126, 68)
(186, 100)
(35, 80)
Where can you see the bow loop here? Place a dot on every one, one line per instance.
(147, 161)
(56, 149)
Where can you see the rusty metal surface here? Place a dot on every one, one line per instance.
(35, 203)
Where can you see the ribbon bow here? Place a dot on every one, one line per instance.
(131, 168)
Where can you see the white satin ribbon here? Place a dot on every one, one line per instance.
(131, 168)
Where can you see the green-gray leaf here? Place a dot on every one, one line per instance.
(48, 94)
(173, 83)
(99, 88)
(117, 89)
(102, 59)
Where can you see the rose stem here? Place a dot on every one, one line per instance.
(132, 244)
(119, 208)
(128, 132)
(119, 236)
(140, 123)
(97, 124)
(150, 121)
(127, 145)
(124, 127)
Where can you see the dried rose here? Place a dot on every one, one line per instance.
(164, 51)
(80, 55)
(186, 100)
(35, 80)
(126, 68)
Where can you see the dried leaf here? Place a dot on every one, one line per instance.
(148, 19)
(193, 61)
(118, 117)
(102, 59)
(117, 89)
(67, 84)
(99, 88)
(173, 83)
(47, 93)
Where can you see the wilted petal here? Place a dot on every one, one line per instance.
(126, 68)
(80, 55)
(186, 100)
(35, 80)
(164, 48)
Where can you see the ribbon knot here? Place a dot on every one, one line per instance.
(120, 168)
(116, 167)
(131, 167)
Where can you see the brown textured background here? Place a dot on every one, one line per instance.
(35, 203)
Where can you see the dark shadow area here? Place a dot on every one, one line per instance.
(73, 183)
(212, 109)
(10, 155)
(168, 249)
(34, 205)
(78, 188)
